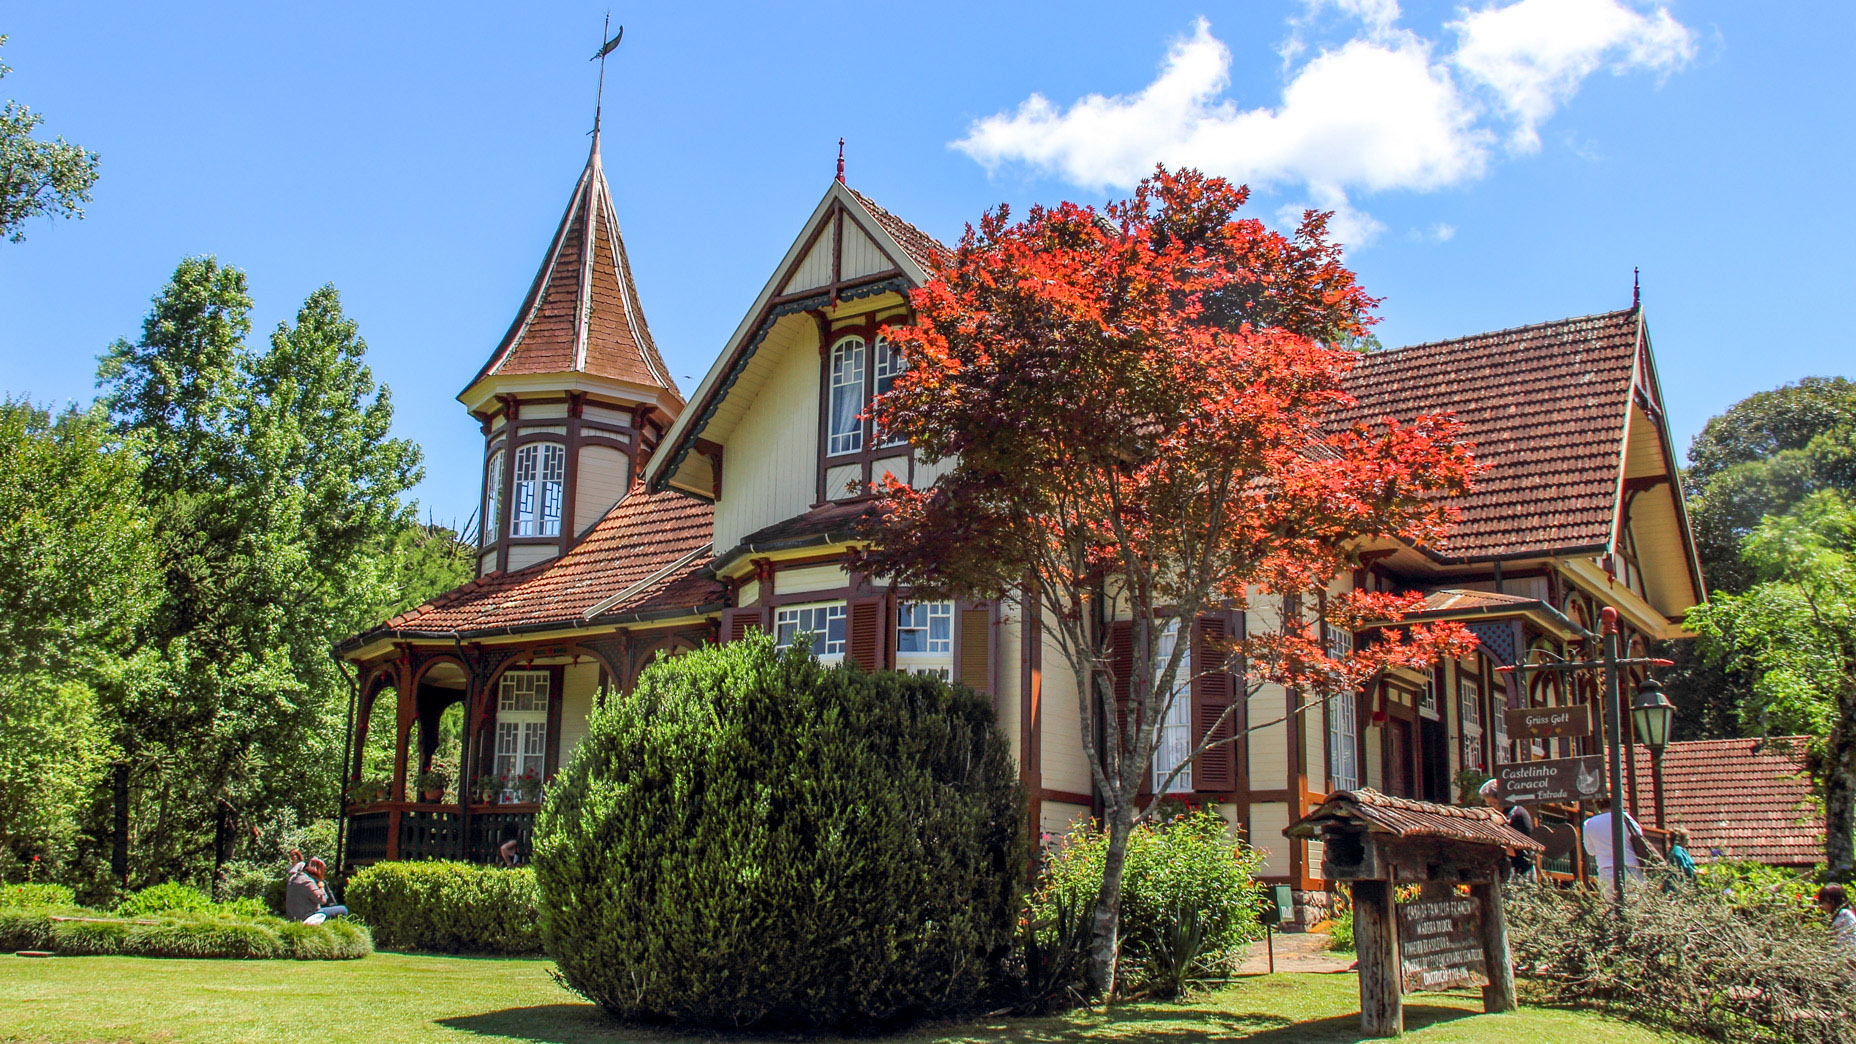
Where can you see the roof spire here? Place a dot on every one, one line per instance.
(840, 161)
(605, 49)
(1636, 289)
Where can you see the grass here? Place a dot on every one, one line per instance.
(390, 998)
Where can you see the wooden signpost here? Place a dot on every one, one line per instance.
(1560, 780)
(1544, 723)
(1454, 933)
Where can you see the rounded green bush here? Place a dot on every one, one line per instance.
(36, 895)
(755, 840)
(447, 907)
(162, 898)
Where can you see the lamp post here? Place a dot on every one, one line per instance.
(1652, 712)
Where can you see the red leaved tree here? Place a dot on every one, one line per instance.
(1133, 400)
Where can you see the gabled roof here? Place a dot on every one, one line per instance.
(1544, 407)
(1739, 799)
(582, 313)
(645, 559)
(877, 252)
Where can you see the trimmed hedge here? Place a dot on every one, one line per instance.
(203, 934)
(754, 840)
(447, 907)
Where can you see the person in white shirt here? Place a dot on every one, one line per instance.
(1597, 836)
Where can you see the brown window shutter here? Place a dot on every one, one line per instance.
(1121, 668)
(735, 623)
(864, 644)
(974, 654)
(1215, 769)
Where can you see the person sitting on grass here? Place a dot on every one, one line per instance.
(306, 896)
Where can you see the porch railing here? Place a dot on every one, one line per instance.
(393, 830)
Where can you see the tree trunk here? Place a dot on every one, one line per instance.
(1105, 937)
(1840, 803)
(119, 826)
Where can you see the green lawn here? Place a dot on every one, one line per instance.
(400, 997)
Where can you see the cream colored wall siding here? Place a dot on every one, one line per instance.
(1316, 850)
(1061, 737)
(697, 475)
(809, 578)
(543, 411)
(771, 455)
(600, 484)
(486, 563)
(1007, 658)
(540, 429)
(861, 256)
(1269, 745)
(1057, 817)
(749, 593)
(579, 683)
(1267, 822)
(842, 481)
(497, 422)
(1375, 765)
(926, 473)
(815, 270)
(1315, 747)
(604, 415)
(524, 555)
(897, 466)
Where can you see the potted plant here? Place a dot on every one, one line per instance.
(433, 781)
(367, 791)
(488, 787)
(527, 786)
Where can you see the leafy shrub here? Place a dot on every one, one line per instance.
(756, 840)
(1755, 885)
(162, 898)
(25, 928)
(244, 908)
(244, 879)
(89, 938)
(447, 907)
(36, 895)
(1340, 930)
(1685, 958)
(1188, 903)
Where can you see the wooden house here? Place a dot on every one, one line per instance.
(622, 521)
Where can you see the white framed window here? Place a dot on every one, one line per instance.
(1503, 753)
(925, 638)
(889, 365)
(1174, 743)
(493, 499)
(816, 627)
(1430, 701)
(1340, 642)
(521, 725)
(1344, 742)
(844, 431)
(1469, 718)
(541, 471)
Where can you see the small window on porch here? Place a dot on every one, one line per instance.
(522, 726)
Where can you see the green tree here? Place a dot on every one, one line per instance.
(38, 178)
(1794, 631)
(76, 580)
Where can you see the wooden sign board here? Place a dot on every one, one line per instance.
(1531, 723)
(1440, 943)
(1561, 780)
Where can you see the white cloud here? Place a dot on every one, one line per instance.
(1386, 109)
(1438, 233)
(1534, 54)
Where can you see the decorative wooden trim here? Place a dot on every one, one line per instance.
(1031, 707)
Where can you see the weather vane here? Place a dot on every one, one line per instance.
(605, 49)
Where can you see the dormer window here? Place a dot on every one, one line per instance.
(541, 471)
(846, 409)
(493, 497)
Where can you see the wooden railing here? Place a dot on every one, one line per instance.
(390, 830)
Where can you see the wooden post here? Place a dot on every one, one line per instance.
(1375, 930)
(1498, 995)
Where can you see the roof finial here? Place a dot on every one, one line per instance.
(840, 161)
(1636, 289)
(604, 50)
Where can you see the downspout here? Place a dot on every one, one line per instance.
(341, 795)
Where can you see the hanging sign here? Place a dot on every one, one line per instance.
(1440, 943)
(1561, 780)
(1531, 723)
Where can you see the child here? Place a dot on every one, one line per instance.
(1678, 852)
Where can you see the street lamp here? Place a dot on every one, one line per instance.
(1652, 713)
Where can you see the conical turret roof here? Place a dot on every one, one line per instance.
(582, 314)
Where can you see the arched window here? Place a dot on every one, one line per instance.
(845, 424)
(541, 468)
(889, 365)
(492, 499)
(522, 725)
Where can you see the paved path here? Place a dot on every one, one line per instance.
(1296, 952)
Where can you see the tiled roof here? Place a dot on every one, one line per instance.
(925, 250)
(581, 317)
(1455, 601)
(644, 558)
(1406, 817)
(1739, 799)
(1544, 408)
(822, 524)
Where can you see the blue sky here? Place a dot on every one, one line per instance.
(1495, 164)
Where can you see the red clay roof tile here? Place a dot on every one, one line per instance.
(1739, 799)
